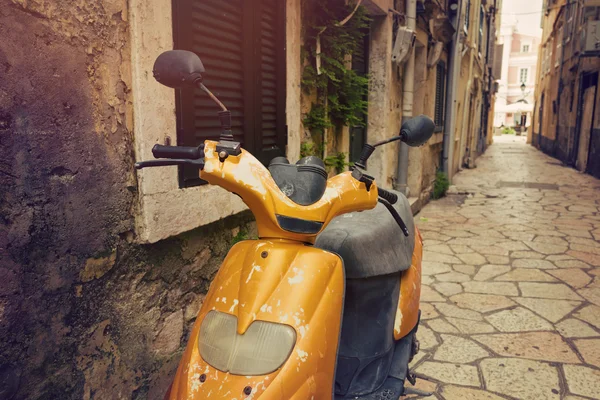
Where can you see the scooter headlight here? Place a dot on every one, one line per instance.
(261, 350)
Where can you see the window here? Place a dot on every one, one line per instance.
(559, 43)
(360, 65)
(481, 19)
(523, 75)
(241, 43)
(525, 48)
(467, 15)
(440, 94)
(544, 51)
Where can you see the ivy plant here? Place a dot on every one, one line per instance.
(336, 162)
(341, 92)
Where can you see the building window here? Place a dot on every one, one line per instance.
(440, 94)
(523, 75)
(481, 19)
(467, 15)
(241, 43)
(525, 48)
(559, 42)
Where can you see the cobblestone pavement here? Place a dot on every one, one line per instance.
(511, 281)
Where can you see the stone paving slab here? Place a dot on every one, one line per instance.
(511, 306)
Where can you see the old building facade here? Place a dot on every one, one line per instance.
(515, 99)
(474, 86)
(566, 123)
(105, 268)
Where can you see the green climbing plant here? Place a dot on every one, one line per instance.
(239, 237)
(317, 119)
(311, 149)
(340, 92)
(336, 162)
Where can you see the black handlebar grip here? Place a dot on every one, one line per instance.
(225, 119)
(187, 153)
(392, 198)
(366, 152)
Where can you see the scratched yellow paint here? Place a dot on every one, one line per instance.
(251, 180)
(296, 285)
(410, 293)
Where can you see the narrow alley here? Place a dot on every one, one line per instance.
(511, 285)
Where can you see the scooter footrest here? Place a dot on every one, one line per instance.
(410, 391)
(392, 389)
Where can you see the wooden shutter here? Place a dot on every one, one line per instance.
(440, 93)
(497, 61)
(358, 134)
(242, 46)
(272, 136)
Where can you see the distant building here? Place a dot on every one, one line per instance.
(514, 102)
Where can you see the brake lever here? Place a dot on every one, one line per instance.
(396, 216)
(168, 162)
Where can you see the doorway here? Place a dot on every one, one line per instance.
(541, 121)
(585, 116)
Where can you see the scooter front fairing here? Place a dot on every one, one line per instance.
(284, 284)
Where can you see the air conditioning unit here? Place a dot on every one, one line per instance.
(405, 40)
(435, 54)
(590, 43)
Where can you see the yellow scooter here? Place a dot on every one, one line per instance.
(325, 304)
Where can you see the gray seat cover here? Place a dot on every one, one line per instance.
(370, 242)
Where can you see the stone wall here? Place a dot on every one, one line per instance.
(85, 312)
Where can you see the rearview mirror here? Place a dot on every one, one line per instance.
(178, 69)
(416, 131)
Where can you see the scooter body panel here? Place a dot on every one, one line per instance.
(407, 315)
(281, 282)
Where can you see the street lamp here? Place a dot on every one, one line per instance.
(523, 121)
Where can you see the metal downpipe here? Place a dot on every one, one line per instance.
(408, 83)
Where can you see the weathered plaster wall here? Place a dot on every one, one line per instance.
(385, 101)
(293, 78)
(424, 161)
(85, 312)
(165, 209)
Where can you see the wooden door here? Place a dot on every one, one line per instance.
(589, 99)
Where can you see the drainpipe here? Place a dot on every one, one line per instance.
(407, 99)
(451, 89)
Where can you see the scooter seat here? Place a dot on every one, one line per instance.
(370, 242)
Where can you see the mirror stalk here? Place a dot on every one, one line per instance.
(414, 132)
(224, 115)
(212, 96)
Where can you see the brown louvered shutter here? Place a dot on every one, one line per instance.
(272, 136)
(497, 66)
(242, 46)
(440, 93)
